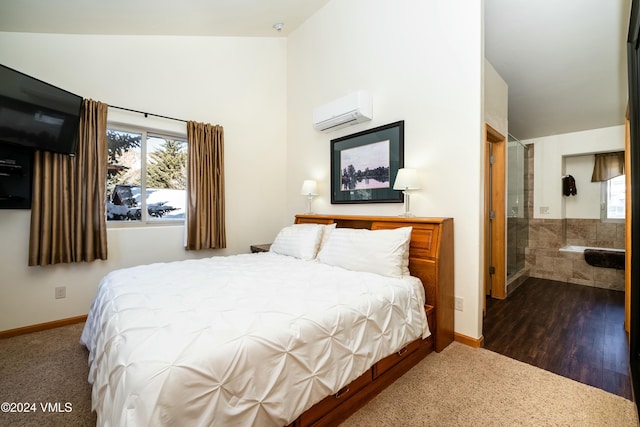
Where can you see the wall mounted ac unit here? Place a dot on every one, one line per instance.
(346, 111)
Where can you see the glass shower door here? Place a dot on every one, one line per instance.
(517, 222)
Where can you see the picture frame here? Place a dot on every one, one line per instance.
(365, 164)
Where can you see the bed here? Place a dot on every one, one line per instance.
(301, 335)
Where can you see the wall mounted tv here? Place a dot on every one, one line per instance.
(37, 115)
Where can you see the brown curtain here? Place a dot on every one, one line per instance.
(607, 166)
(68, 204)
(205, 176)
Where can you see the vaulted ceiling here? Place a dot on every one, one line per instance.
(564, 61)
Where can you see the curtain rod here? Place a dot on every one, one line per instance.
(147, 114)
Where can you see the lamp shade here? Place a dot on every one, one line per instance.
(309, 188)
(406, 179)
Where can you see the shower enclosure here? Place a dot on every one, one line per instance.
(517, 215)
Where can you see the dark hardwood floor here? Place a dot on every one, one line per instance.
(572, 330)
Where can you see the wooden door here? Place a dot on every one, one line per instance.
(495, 153)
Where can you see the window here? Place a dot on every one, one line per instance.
(144, 163)
(613, 191)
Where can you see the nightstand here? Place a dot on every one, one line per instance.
(260, 248)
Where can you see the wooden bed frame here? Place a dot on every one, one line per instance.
(431, 260)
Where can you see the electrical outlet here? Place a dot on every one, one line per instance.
(544, 210)
(61, 292)
(459, 304)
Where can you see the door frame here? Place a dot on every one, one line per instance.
(633, 75)
(495, 158)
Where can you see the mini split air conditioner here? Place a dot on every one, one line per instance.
(346, 111)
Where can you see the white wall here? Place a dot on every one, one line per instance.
(422, 63)
(586, 203)
(239, 83)
(549, 166)
(496, 100)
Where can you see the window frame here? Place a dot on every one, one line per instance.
(146, 133)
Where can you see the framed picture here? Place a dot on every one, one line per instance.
(364, 165)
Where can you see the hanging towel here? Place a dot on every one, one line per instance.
(569, 186)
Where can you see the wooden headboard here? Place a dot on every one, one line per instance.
(430, 259)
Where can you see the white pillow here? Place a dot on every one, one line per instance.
(384, 252)
(298, 240)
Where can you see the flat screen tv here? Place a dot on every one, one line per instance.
(37, 115)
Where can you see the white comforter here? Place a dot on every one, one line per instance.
(241, 340)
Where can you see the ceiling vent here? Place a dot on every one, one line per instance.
(349, 110)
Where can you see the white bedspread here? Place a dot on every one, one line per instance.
(243, 340)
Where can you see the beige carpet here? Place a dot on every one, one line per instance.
(459, 387)
(463, 386)
(46, 368)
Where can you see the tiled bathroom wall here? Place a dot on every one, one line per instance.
(594, 232)
(545, 260)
